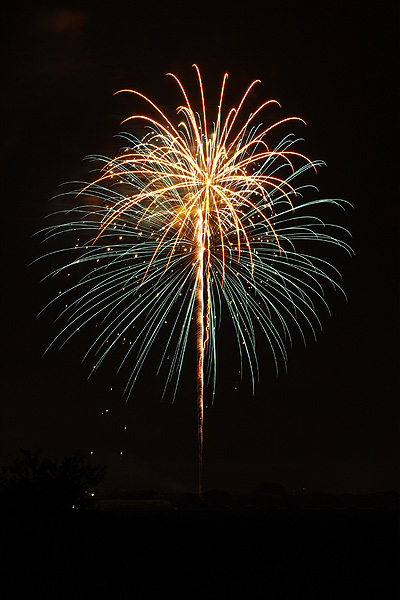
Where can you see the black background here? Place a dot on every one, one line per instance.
(331, 423)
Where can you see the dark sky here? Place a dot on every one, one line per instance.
(331, 423)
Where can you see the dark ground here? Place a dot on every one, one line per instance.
(220, 554)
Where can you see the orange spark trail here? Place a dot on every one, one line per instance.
(200, 342)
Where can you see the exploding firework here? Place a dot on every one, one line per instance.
(194, 219)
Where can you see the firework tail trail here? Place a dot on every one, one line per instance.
(200, 348)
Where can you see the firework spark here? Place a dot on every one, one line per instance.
(192, 219)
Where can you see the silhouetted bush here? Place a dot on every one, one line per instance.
(270, 495)
(149, 495)
(217, 499)
(34, 484)
(188, 501)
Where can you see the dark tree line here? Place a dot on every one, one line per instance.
(33, 483)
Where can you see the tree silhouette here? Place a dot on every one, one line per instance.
(33, 483)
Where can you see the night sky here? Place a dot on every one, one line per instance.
(331, 422)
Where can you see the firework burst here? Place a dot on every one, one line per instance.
(193, 219)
